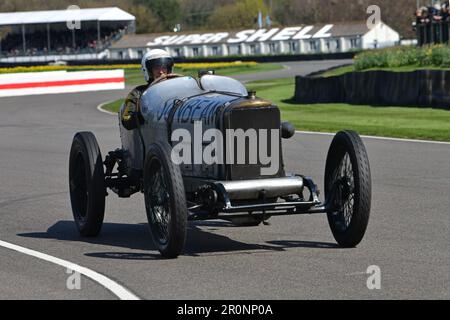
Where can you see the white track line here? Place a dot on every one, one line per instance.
(121, 292)
(377, 138)
(100, 108)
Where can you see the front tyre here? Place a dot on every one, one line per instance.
(87, 184)
(348, 186)
(165, 200)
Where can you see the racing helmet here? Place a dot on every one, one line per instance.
(156, 58)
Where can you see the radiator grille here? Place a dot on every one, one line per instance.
(254, 118)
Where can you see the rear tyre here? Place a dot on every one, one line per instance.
(165, 201)
(348, 183)
(87, 184)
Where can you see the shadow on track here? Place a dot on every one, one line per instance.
(137, 237)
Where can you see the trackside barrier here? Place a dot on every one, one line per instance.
(55, 82)
(422, 88)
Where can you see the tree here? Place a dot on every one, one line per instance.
(241, 14)
(398, 14)
(168, 12)
(196, 13)
(146, 22)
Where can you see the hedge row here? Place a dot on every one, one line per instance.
(436, 56)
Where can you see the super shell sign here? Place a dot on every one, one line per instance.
(251, 35)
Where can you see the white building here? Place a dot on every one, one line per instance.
(317, 39)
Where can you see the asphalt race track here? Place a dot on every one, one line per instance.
(293, 68)
(295, 257)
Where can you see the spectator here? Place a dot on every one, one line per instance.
(435, 12)
(61, 41)
(445, 11)
(432, 23)
(422, 15)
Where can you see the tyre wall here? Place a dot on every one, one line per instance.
(423, 88)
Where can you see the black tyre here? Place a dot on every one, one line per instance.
(165, 201)
(348, 183)
(87, 184)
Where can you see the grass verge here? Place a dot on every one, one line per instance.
(113, 106)
(398, 122)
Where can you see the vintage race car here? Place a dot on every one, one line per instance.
(205, 148)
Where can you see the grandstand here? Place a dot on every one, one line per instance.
(46, 36)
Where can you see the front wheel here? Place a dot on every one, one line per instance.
(87, 184)
(348, 188)
(165, 201)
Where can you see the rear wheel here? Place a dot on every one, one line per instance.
(348, 186)
(165, 201)
(87, 184)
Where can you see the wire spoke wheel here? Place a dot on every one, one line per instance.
(344, 186)
(348, 188)
(157, 201)
(165, 201)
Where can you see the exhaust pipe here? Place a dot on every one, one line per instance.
(252, 189)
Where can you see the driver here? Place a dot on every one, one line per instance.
(156, 65)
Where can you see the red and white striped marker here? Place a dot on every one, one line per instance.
(53, 82)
